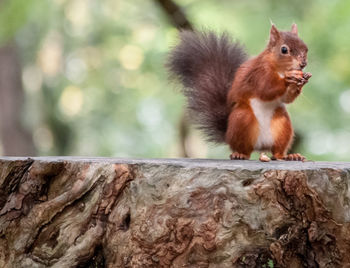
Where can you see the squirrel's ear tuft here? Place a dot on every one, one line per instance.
(294, 29)
(274, 35)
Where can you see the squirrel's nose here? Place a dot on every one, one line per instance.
(303, 64)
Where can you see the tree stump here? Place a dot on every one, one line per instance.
(99, 212)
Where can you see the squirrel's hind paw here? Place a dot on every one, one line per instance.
(290, 157)
(238, 156)
(294, 157)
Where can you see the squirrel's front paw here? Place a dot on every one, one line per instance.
(292, 92)
(294, 76)
(297, 77)
(307, 75)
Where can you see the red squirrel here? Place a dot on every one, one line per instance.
(240, 100)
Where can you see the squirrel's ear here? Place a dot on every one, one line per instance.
(294, 29)
(274, 35)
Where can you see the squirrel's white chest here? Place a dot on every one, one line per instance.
(264, 112)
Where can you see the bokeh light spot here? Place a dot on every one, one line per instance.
(150, 113)
(71, 101)
(32, 78)
(321, 142)
(77, 12)
(43, 138)
(76, 70)
(144, 34)
(344, 100)
(131, 57)
(50, 55)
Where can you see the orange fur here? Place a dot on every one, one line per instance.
(257, 77)
(271, 76)
(243, 129)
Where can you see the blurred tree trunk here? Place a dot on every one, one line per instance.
(179, 19)
(14, 138)
(175, 14)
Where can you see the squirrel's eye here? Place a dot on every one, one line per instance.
(284, 50)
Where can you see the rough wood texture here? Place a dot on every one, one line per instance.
(71, 212)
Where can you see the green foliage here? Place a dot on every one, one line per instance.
(15, 13)
(270, 264)
(96, 85)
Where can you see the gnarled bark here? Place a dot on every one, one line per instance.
(70, 212)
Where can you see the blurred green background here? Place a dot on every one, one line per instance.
(94, 82)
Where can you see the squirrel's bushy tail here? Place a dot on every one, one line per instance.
(206, 64)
